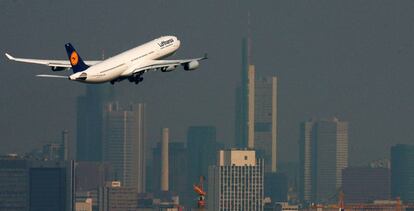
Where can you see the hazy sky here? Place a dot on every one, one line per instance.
(353, 59)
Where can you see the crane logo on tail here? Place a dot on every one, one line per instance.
(74, 58)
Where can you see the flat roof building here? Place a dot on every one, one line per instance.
(236, 181)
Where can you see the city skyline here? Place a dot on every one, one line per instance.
(341, 71)
(355, 63)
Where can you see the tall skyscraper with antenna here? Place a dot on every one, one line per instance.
(244, 126)
(256, 109)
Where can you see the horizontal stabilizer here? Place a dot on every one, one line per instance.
(53, 76)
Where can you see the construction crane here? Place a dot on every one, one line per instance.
(341, 201)
(198, 188)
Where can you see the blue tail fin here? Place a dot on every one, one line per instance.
(75, 60)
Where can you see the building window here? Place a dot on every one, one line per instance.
(245, 157)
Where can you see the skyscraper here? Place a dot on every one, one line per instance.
(14, 174)
(265, 127)
(116, 197)
(89, 122)
(323, 153)
(123, 145)
(366, 184)
(179, 183)
(402, 172)
(276, 186)
(256, 111)
(236, 181)
(51, 186)
(244, 122)
(90, 176)
(307, 161)
(202, 148)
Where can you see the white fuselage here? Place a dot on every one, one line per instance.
(124, 64)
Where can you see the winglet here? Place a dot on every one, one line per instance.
(205, 56)
(9, 57)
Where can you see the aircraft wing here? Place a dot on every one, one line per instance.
(160, 64)
(50, 63)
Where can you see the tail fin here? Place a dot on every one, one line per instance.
(75, 60)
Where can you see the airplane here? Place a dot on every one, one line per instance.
(130, 64)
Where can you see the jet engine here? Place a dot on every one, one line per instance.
(191, 65)
(169, 68)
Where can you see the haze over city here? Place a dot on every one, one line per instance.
(352, 59)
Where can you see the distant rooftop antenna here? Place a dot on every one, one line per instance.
(249, 39)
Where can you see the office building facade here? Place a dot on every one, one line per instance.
(14, 184)
(323, 153)
(51, 186)
(177, 170)
(265, 126)
(202, 148)
(123, 145)
(116, 197)
(366, 184)
(89, 121)
(236, 181)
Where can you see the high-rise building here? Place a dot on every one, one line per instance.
(245, 100)
(51, 186)
(89, 122)
(402, 172)
(202, 148)
(307, 160)
(36, 185)
(236, 181)
(323, 153)
(276, 186)
(14, 185)
(90, 176)
(123, 146)
(265, 126)
(256, 111)
(291, 170)
(366, 184)
(177, 170)
(115, 197)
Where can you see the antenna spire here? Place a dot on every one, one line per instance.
(249, 39)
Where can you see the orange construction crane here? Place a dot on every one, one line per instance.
(341, 201)
(201, 203)
(398, 206)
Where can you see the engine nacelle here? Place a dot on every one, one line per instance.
(59, 68)
(191, 65)
(169, 68)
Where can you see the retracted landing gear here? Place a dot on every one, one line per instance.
(136, 78)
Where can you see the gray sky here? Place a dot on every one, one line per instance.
(353, 59)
